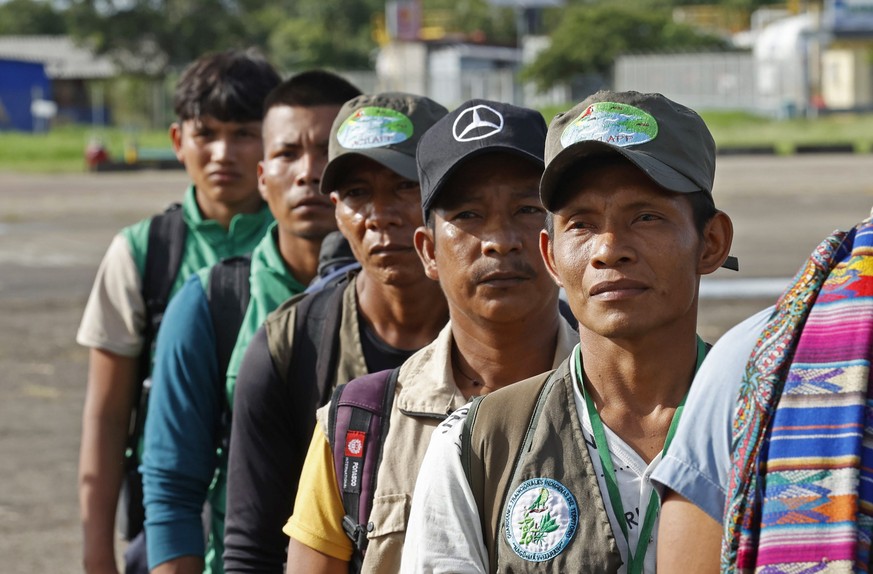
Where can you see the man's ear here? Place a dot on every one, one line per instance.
(176, 140)
(717, 237)
(262, 187)
(548, 254)
(424, 245)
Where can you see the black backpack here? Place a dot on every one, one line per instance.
(166, 244)
(228, 295)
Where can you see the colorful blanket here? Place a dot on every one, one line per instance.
(800, 497)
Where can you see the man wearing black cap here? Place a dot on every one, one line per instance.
(551, 474)
(479, 169)
(374, 320)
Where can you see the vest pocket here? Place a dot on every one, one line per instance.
(390, 514)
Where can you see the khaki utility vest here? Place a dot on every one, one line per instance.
(533, 480)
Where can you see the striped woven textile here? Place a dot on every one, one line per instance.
(800, 497)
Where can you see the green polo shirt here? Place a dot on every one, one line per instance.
(206, 242)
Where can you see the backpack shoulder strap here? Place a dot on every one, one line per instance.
(164, 250)
(228, 293)
(315, 351)
(489, 466)
(358, 420)
(166, 245)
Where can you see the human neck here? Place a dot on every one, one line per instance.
(488, 356)
(223, 213)
(637, 385)
(300, 255)
(405, 317)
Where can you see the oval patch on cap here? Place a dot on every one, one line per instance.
(374, 127)
(540, 519)
(617, 124)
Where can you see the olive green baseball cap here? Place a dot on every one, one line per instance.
(383, 127)
(667, 141)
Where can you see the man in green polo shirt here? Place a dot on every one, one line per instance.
(218, 102)
(187, 412)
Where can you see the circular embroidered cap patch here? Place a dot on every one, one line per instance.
(374, 127)
(540, 519)
(617, 124)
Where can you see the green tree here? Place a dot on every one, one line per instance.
(148, 36)
(332, 33)
(588, 38)
(20, 17)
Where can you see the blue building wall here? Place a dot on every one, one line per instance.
(20, 83)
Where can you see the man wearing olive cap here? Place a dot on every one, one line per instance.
(551, 474)
(373, 320)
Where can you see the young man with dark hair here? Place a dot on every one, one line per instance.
(551, 474)
(217, 137)
(374, 320)
(479, 167)
(192, 389)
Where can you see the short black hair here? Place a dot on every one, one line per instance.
(310, 89)
(229, 86)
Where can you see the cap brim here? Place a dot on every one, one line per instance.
(400, 163)
(437, 187)
(569, 157)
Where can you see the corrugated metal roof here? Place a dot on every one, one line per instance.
(62, 57)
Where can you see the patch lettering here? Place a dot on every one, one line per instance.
(617, 124)
(353, 460)
(372, 127)
(541, 518)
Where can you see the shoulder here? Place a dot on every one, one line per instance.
(120, 261)
(137, 237)
(278, 328)
(188, 308)
(500, 419)
(280, 324)
(698, 462)
(517, 395)
(726, 361)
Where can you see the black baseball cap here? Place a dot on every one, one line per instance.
(667, 141)
(473, 128)
(384, 127)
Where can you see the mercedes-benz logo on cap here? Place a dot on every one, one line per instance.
(476, 123)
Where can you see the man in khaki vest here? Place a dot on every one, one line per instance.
(479, 169)
(373, 320)
(551, 474)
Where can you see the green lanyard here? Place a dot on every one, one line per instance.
(636, 559)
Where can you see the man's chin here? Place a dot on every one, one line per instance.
(396, 274)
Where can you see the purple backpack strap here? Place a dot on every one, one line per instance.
(359, 415)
